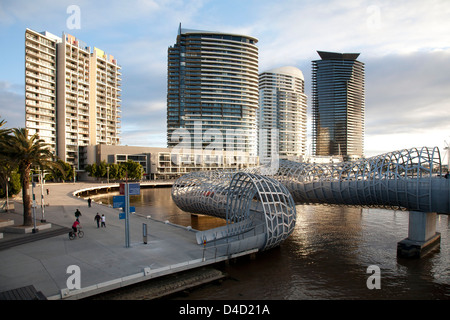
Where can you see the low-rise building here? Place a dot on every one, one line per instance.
(165, 163)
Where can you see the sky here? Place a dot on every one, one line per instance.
(404, 44)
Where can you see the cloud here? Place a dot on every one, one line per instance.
(406, 90)
(404, 45)
(12, 104)
(144, 123)
(294, 30)
(407, 99)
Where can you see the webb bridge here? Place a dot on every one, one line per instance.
(258, 204)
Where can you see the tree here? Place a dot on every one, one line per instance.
(8, 172)
(91, 169)
(133, 169)
(64, 171)
(117, 171)
(114, 171)
(25, 151)
(7, 168)
(101, 169)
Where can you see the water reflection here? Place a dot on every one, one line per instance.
(326, 257)
(157, 203)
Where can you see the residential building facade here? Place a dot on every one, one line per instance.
(282, 115)
(212, 94)
(40, 86)
(72, 94)
(338, 105)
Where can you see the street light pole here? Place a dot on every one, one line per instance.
(34, 207)
(41, 177)
(7, 196)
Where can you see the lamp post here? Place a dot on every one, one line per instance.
(41, 178)
(7, 196)
(34, 207)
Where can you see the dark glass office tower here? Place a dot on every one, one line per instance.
(213, 81)
(338, 105)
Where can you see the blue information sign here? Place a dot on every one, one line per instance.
(119, 202)
(134, 189)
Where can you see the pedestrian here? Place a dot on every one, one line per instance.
(103, 221)
(77, 214)
(89, 202)
(98, 218)
(47, 191)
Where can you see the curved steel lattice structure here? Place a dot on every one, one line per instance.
(256, 205)
(252, 205)
(405, 179)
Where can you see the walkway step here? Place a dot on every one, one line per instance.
(164, 286)
(24, 293)
(55, 231)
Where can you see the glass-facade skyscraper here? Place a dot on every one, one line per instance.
(213, 90)
(282, 114)
(338, 105)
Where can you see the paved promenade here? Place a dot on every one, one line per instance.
(104, 261)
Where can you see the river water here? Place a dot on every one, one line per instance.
(326, 257)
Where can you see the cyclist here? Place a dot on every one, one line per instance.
(75, 226)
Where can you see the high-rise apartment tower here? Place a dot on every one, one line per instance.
(338, 105)
(72, 94)
(213, 87)
(40, 85)
(282, 114)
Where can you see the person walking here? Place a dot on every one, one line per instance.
(89, 202)
(103, 221)
(98, 218)
(77, 214)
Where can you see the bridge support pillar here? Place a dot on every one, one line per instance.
(422, 235)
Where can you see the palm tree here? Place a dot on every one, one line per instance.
(3, 132)
(25, 152)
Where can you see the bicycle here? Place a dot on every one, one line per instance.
(73, 235)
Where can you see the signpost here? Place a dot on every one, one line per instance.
(119, 202)
(123, 201)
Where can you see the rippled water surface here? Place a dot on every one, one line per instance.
(326, 257)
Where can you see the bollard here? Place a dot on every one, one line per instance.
(144, 232)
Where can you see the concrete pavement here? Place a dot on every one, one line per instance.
(103, 260)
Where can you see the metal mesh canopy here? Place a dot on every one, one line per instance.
(264, 200)
(254, 197)
(403, 179)
(247, 201)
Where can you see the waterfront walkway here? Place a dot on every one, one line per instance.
(104, 261)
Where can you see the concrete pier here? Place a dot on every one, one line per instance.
(422, 235)
(104, 262)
